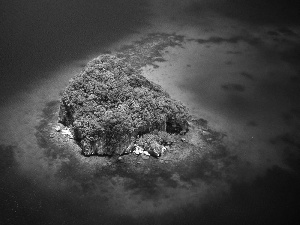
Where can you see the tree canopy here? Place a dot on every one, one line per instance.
(110, 100)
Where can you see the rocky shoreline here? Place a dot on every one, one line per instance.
(183, 154)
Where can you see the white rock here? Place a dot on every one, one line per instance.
(146, 153)
(57, 128)
(138, 150)
(67, 132)
(163, 149)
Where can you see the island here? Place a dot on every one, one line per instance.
(133, 131)
(111, 109)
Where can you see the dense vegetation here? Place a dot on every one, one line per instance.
(109, 104)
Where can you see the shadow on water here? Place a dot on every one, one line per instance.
(271, 199)
(17, 192)
(23, 201)
(38, 36)
(6, 158)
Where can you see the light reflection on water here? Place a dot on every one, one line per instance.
(249, 90)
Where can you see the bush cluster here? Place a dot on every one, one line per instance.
(162, 138)
(109, 98)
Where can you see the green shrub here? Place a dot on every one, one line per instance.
(109, 99)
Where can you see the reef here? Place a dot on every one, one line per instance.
(111, 109)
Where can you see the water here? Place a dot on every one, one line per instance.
(39, 36)
(238, 68)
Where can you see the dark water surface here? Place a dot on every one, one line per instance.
(261, 44)
(38, 36)
(270, 199)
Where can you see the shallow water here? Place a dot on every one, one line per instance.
(237, 69)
